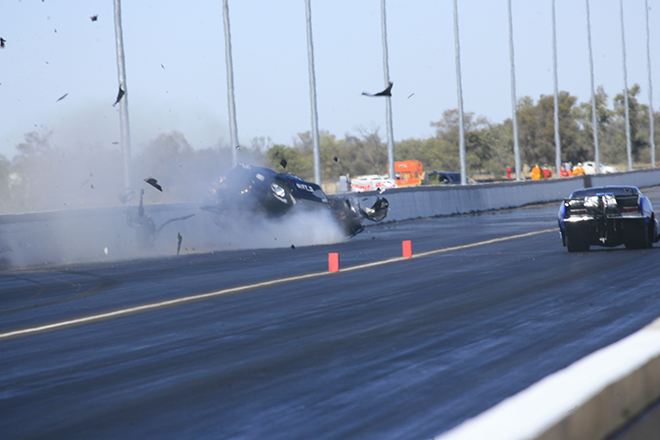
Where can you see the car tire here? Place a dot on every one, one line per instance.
(637, 237)
(577, 243)
(650, 233)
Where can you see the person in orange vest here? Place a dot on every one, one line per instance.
(537, 173)
(578, 170)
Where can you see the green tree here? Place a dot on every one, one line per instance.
(639, 116)
(604, 118)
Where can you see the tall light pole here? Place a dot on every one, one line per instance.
(123, 102)
(388, 110)
(312, 95)
(554, 65)
(594, 115)
(516, 146)
(459, 88)
(648, 64)
(625, 92)
(233, 130)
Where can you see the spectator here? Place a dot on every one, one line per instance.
(578, 170)
(537, 174)
(546, 172)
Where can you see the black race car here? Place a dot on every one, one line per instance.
(607, 216)
(254, 190)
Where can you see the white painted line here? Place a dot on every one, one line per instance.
(203, 296)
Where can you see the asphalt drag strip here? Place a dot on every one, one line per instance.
(233, 290)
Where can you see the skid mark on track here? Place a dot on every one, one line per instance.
(106, 283)
(238, 289)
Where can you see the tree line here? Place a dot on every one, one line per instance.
(46, 177)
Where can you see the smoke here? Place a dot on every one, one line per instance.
(207, 231)
(63, 206)
(113, 234)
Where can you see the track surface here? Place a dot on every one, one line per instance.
(403, 350)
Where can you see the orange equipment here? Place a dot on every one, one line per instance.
(409, 172)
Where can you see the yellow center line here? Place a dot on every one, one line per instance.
(209, 295)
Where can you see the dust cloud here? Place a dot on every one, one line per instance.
(61, 206)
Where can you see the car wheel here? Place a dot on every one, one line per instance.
(650, 233)
(577, 243)
(636, 237)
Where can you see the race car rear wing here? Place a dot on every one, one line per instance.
(602, 204)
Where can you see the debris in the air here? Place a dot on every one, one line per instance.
(386, 92)
(115, 143)
(120, 95)
(283, 163)
(105, 250)
(162, 66)
(336, 159)
(238, 147)
(62, 97)
(153, 182)
(179, 238)
(411, 95)
(94, 17)
(2, 42)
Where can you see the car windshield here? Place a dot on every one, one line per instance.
(615, 190)
(446, 177)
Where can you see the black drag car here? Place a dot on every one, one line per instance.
(254, 190)
(607, 216)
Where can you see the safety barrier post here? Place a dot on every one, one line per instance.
(407, 249)
(333, 262)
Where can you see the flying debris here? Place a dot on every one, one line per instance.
(178, 246)
(62, 97)
(411, 95)
(386, 92)
(283, 163)
(2, 42)
(119, 96)
(94, 17)
(293, 247)
(115, 143)
(335, 159)
(153, 182)
(238, 147)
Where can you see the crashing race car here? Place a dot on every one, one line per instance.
(257, 190)
(607, 216)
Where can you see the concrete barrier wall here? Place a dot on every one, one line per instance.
(590, 399)
(105, 234)
(431, 201)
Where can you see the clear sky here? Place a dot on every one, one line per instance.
(176, 72)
